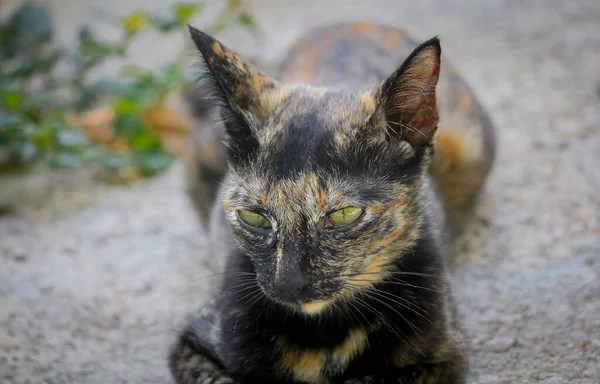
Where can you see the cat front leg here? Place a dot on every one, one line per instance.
(366, 380)
(194, 358)
(449, 368)
(438, 373)
(431, 373)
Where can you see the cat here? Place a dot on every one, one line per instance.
(329, 192)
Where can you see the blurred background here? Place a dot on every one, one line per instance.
(101, 254)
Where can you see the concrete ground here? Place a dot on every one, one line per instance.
(94, 281)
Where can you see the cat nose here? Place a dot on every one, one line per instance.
(292, 288)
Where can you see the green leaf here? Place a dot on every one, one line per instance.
(96, 49)
(108, 85)
(85, 100)
(145, 89)
(8, 39)
(32, 122)
(9, 119)
(94, 154)
(40, 99)
(246, 20)
(26, 67)
(163, 21)
(6, 33)
(75, 58)
(12, 100)
(151, 163)
(48, 62)
(32, 24)
(149, 80)
(183, 12)
(173, 76)
(133, 23)
(126, 106)
(43, 137)
(133, 71)
(70, 137)
(102, 156)
(114, 162)
(128, 125)
(93, 51)
(65, 159)
(144, 140)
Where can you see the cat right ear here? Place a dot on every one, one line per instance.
(407, 100)
(240, 89)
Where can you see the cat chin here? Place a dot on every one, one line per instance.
(310, 308)
(314, 307)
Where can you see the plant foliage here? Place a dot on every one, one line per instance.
(53, 110)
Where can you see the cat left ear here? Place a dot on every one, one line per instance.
(407, 99)
(241, 83)
(241, 91)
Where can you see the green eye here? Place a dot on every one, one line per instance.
(345, 216)
(254, 219)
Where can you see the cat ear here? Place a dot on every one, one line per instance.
(406, 101)
(241, 90)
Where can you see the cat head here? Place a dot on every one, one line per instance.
(323, 185)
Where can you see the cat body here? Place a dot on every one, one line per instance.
(336, 192)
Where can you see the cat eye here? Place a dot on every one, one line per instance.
(344, 216)
(254, 219)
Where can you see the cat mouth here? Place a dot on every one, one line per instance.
(307, 306)
(310, 298)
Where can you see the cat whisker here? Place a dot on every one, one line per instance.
(390, 296)
(256, 294)
(238, 273)
(359, 312)
(419, 274)
(371, 326)
(264, 307)
(404, 283)
(383, 318)
(245, 289)
(243, 282)
(410, 324)
(336, 308)
(255, 299)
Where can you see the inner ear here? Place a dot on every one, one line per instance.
(407, 99)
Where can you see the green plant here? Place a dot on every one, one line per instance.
(72, 119)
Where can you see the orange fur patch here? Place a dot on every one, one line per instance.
(228, 205)
(263, 198)
(304, 365)
(354, 344)
(314, 306)
(371, 274)
(321, 199)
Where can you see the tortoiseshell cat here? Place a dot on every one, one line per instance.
(332, 212)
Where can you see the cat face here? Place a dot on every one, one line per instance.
(322, 188)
